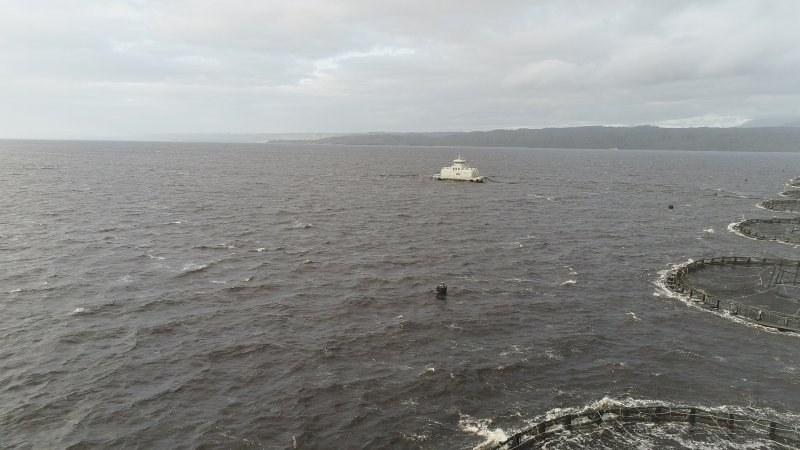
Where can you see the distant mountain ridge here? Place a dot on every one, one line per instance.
(231, 137)
(774, 122)
(767, 139)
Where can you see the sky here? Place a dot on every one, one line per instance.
(81, 68)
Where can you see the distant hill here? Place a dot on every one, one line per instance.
(231, 137)
(772, 139)
(774, 122)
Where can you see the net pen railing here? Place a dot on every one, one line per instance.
(749, 228)
(676, 282)
(768, 430)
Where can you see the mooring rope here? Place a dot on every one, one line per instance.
(496, 181)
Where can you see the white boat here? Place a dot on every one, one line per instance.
(459, 171)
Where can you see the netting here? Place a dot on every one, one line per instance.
(788, 204)
(760, 290)
(655, 427)
(775, 229)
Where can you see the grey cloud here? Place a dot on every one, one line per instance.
(182, 66)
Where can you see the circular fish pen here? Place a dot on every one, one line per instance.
(791, 193)
(775, 229)
(759, 290)
(788, 205)
(655, 427)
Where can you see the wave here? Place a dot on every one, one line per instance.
(483, 429)
(296, 224)
(225, 246)
(192, 268)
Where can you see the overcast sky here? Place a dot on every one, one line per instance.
(102, 68)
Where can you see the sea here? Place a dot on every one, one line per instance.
(204, 295)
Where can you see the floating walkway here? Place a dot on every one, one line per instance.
(783, 276)
(606, 424)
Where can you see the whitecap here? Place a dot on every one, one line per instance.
(513, 350)
(481, 427)
(78, 311)
(299, 224)
(260, 249)
(428, 370)
(517, 280)
(194, 267)
(552, 354)
(569, 282)
(732, 227)
(410, 402)
(709, 230)
(15, 291)
(633, 316)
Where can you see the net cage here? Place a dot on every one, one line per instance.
(759, 290)
(787, 204)
(774, 229)
(655, 427)
(791, 193)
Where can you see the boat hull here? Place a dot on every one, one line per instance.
(471, 180)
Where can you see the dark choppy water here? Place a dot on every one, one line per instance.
(160, 295)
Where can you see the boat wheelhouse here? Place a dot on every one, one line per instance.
(459, 171)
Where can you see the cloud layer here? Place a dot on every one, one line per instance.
(93, 68)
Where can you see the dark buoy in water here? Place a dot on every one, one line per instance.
(670, 206)
(441, 290)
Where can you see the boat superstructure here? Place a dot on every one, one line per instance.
(459, 171)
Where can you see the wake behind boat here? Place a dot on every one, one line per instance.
(459, 171)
